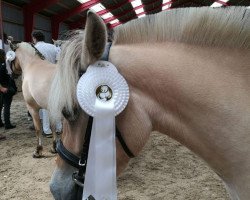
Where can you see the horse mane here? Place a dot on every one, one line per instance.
(206, 26)
(26, 46)
(63, 88)
(203, 26)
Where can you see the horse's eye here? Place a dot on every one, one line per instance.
(80, 73)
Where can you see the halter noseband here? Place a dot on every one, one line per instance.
(81, 162)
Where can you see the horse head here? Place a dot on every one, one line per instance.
(58, 43)
(13, 60)
(77, 53)
(21, 51)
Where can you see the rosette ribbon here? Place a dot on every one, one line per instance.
(102, 93)
(10, 56)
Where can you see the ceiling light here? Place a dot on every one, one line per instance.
(98, 7)
(165, 1)
(107, 15)
(114, 21)
(136, 3)
(140, 16)
(218, 4)
(83, 1)
(140, 10)
(165, 7)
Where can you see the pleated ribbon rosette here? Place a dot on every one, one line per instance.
(10, 56)
(102, 93)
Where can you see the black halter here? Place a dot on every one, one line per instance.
(81, 162)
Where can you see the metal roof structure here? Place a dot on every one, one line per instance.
(113, 12)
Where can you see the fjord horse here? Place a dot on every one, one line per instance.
(188, 73)
(37, 77)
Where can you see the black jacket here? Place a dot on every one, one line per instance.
(4, 76)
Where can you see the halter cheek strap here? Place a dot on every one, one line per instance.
(76, 161)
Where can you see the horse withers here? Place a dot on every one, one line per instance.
(37, 75)
(189, 77)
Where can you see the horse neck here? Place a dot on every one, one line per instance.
(25, 59)
(195, 95)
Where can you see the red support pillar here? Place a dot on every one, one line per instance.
(54, 29)
(1, 25)
(29, 11)
(28, 24)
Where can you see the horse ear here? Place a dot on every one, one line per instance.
(13, 46)
(95, 38)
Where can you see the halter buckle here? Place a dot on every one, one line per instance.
(78, 180)
(82, 164)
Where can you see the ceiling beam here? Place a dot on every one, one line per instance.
(122, 14)
(63, 5)
(57, 19)
(149, 7)
(222, 2)
(151, 10)
(85, 6)
(39, 5)
(239, 2)
(29, 11)
(65, 15)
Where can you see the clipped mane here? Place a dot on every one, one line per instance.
(206, 26)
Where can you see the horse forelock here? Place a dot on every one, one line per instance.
(63, 89)
(226, 27)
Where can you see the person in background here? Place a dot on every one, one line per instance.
(8, 90)
(2, 89)
(5, 43)
(10, 39)
(2, 137)
(49, 51)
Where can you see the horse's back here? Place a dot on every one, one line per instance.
(36, 83)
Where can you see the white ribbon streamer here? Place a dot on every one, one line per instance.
(100, 178)
(102, 93)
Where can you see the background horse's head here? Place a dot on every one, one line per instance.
(15, 64)
(24, 52)
(58, 43)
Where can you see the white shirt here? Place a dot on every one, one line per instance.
(58, 53)
(6, 46)
(6, 49)
(49, 51)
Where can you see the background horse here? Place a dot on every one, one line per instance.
(189, 77)
(37, 76)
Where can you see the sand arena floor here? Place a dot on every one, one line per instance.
(165, 170)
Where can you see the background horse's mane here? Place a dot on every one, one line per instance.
(226, 27)
(26, 46)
